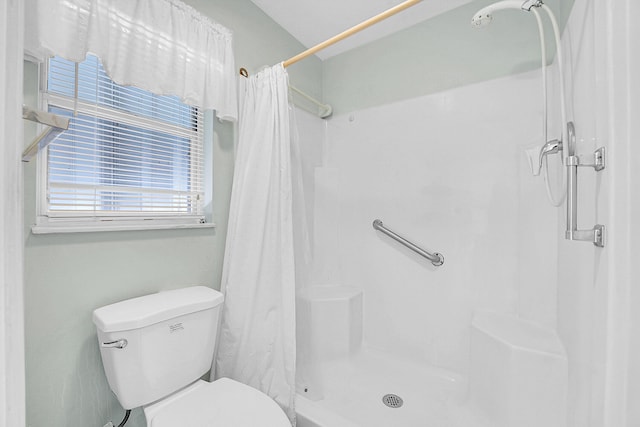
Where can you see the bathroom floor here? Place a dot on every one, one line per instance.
(431, 397)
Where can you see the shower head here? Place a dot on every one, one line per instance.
(484, 16)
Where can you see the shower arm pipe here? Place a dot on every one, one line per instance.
(351, 31)
(435, 258)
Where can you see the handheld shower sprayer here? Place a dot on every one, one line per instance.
(483, 18)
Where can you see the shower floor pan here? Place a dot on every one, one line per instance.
(354, 390)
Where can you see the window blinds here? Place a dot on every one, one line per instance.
(127, 153)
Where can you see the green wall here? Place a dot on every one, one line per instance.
(69, 275)
(438, 54)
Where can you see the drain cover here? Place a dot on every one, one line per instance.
(392, 400)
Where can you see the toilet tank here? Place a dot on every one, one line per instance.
(154, 345)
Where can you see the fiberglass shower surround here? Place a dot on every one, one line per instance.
(565, 145)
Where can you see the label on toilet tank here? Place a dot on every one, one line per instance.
(176, 327)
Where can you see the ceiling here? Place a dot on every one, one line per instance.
(313, 21)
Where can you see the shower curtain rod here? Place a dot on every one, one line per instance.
(351, 31)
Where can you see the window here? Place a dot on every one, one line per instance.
(130, 158)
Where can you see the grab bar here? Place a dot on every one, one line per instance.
(596, 161)
(435, 258)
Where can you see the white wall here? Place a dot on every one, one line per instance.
(597, 301)
(447, 171)
(581, 299)
(622, 383)
(12, 401)
(632, 8)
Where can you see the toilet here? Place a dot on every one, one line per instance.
(154, 350)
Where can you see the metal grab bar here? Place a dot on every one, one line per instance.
(596, 161)
(435, 258)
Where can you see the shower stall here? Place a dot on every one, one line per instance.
(510, 331)
(378, 319)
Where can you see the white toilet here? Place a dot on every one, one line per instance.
(155, 349)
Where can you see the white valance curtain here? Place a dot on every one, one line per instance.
(257, 336)
(163, 46)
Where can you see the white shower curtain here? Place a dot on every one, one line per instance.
(257, 335)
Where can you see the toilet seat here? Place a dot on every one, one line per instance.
(222, 403)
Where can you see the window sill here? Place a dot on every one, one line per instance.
(100, 226)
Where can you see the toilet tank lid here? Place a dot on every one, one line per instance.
(149, 309)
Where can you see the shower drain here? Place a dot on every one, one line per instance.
(392, 400)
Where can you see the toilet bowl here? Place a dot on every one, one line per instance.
(156, 348)
(224, 403)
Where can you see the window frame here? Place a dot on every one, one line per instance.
(87, 221)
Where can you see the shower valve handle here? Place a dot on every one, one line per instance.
(551, 147)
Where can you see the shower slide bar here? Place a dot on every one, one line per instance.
(435, 258)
